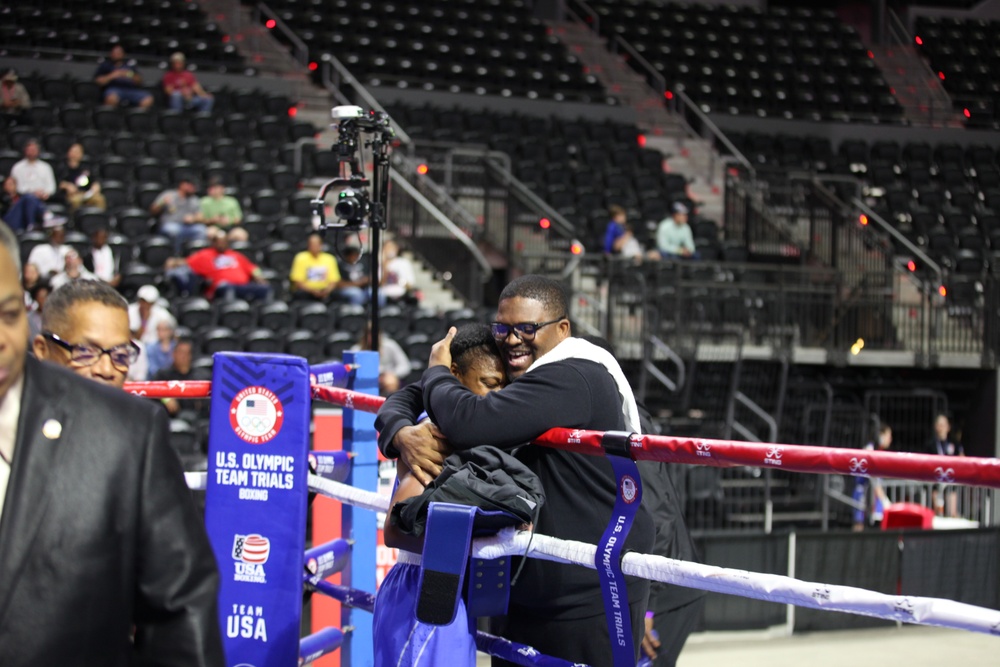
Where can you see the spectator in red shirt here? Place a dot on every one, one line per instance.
(183, 89)
(226, 272)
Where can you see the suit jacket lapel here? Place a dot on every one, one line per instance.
(37, 452)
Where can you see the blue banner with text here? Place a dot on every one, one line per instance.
(256, 502)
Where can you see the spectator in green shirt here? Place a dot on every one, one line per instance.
(674, 239)
(223, 211)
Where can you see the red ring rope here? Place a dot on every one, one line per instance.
(171, 389)
(697, 451)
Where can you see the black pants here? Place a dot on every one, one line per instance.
(584, 640)
(674, 626)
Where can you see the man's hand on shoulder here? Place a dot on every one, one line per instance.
(423, 449)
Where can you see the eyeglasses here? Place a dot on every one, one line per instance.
(122, 356)
(523, 330)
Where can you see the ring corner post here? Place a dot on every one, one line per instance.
(256, 502)
(359, 524)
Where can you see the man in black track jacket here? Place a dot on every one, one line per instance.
(555, 608)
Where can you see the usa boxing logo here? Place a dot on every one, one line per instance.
(250, 552)
(256, 415)
(253, 548)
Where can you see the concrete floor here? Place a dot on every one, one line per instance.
(908, 646)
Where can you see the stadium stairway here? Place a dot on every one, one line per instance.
(919, 91)
(683, 152)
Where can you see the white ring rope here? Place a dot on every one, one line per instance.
(769, 587)
(345, 493)
(196, 481)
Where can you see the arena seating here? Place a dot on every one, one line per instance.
(137, 153)
(59, 28)
(798, 63)
(945, 198)
(486, 48)
(965, 55)
(579, 167)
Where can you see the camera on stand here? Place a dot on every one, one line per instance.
(360, 203)
(354, 208)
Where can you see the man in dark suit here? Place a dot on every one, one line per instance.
(103, 557)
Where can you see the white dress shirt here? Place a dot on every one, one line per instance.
(104, 263)
(10, 410)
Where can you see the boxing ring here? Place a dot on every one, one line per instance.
(261, 475)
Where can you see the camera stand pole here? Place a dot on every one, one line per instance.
(380, 197)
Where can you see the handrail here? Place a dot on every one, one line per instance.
(873, 217)
(484, 153)
(564, 226)
(897, 29)
(938, 99)
(578, 297)
(297, 156)
(646, 65)
(750, 404)
(329, 61)
(467, 219)
(892, 231)
(595, 22)
(719, 134)
(672, 356)
(300, 46)
(455, 230)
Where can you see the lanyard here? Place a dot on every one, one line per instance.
(608, 560)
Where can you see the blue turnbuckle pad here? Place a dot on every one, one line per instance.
(488, 589)
(446, 550)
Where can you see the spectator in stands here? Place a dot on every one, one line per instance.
(120, 81)
(36, 290)
(398, 276)
(15, 102)
(878, 500)
(146, 314)
(72, 271)
(21, 212)
(50, 258)
(941, 444)
(179, 211)
(620, 240)
(29, 278)
(674, 238)
(228, 273)
(223, 211)
(76, 186)
(314, 275)
(34, 176)
(102, 260)
(355, 276)
(39, 295)
(159, 355)
(393, 364)
(181, 370)
(182, 88)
